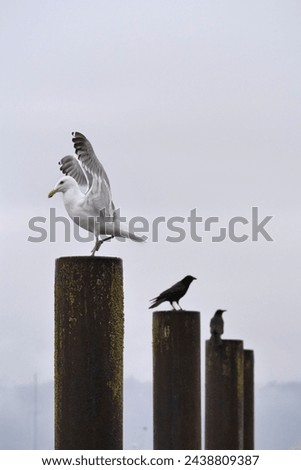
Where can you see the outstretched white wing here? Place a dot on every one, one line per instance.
(99, 192)
(70, 166)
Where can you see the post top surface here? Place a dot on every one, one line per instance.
(175, 312)
(91, 259)
(249, 352)
(229, 342)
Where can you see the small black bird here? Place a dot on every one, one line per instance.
(174, 293)
(217, 327)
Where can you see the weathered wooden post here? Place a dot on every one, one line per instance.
(176, 380)
(224, 402)
(89, 330)
(248, 399)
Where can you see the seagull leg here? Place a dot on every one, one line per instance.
(105, 239)
(171, 303)
(96, 247)
(179, 305)
(99, 243)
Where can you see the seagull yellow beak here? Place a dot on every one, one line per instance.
(52, 192)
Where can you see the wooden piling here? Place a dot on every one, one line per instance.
(224, 402)
(248, 399)
(89, 332)
(176, 380)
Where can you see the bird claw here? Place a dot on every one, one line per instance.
(98, 244)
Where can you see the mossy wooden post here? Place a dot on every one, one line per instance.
(176, 380)
(89, 331)
(248, 399)
(224, 401)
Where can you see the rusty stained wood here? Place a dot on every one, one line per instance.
(224, 401)
(248, 399)
(89, 335)
(176, 380)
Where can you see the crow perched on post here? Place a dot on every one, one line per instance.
(217, 327)
(174, 293)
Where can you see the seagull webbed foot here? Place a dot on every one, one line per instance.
(99, 243)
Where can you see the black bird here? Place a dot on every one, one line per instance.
(174, 293)
(217, 326)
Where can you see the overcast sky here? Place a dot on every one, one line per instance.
(188, 104)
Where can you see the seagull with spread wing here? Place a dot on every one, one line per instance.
(87, 194)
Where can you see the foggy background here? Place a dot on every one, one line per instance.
(188, 104)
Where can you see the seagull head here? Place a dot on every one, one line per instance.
(65, 183)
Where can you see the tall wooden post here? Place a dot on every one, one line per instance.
(89, 331)
(176, 380)
(224, 418)
(248, 399)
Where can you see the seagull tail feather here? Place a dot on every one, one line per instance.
(126, 233)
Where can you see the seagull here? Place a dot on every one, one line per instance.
(217, 326)
(87, 194)
(174, 293)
